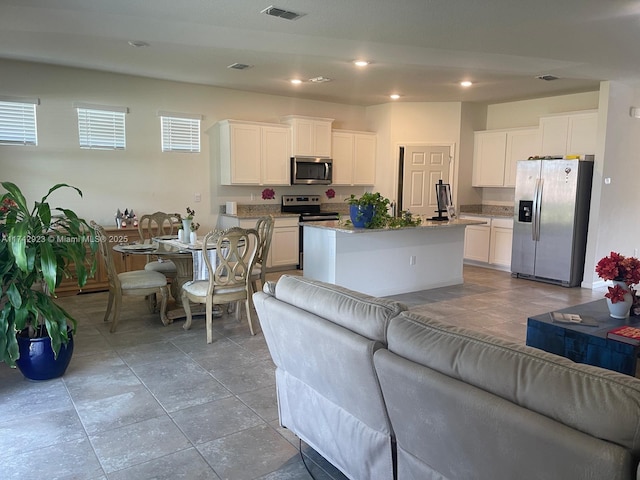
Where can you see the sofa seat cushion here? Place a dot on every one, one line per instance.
(601, 403)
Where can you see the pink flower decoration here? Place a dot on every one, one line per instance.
(268, 194)
(330, 193)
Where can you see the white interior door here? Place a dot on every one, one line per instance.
(423, 166)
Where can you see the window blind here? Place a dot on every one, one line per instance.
(180, 133)
(18, 122)
(101, 128)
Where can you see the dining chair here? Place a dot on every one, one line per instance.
(134, 283)
(155, 225)
(264, 226)
(229, 279)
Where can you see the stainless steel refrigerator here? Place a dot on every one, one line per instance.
(551, 216)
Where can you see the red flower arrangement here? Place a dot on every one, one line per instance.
(622, 269)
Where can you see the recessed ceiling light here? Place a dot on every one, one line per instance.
(138, 43)
(361, 63)
(466, 83)
(296, 81)
(394, 96)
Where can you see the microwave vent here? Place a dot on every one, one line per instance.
(281, 13)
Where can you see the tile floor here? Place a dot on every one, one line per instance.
(157, 402)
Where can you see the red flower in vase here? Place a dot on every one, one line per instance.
(616, 294)
(620, 268)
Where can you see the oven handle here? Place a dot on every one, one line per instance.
(319, 218)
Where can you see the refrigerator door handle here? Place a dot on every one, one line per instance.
(534, 213)
(537, 209)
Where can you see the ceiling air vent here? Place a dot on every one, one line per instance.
(239, 66)
(319, 79)
(547, 77)
(281, 13)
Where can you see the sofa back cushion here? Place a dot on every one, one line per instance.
(601, 403)
(365, 315)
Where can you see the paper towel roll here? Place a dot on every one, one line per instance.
(232, 208)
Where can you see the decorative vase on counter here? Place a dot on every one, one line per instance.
(193, 237)
(620, 309)
(361, 215)
(186, 226)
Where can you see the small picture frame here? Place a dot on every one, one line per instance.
(451, 212)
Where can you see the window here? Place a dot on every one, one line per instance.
(180, 132)
(101, 127)
(18, 121)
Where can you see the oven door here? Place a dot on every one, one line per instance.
(311, 171)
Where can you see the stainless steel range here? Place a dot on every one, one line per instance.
(309, 209)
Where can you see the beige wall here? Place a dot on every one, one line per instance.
(613, 224)
(525, 113)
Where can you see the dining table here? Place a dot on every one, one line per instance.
(187, 258)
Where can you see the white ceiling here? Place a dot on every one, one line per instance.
(420, 49)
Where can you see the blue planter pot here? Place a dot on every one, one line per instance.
(361, 216)
(36, 360)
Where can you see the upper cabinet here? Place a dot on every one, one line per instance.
(253, 153)
(496, 152)
(310, 136)
(569, 134)
(354, 157)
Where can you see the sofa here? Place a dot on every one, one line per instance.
(384, 393)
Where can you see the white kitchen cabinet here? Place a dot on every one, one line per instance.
(569, 134)
(500, 242)
(489, 244)
(253, 153)
(521, 144)
(284, 242)
(496, 152)
(310, 136)
(354, 157)
(477, 240)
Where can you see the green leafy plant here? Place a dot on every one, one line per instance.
(381, 217)
(38, 248)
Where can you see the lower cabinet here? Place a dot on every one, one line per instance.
(477, 241)
(489, 244)
(500, 242)
(284, 242)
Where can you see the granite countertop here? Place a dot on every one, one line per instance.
(426, 224)
(487, 210)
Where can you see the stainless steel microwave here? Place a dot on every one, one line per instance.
(311, 171)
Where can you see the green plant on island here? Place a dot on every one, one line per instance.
(38, 248)
(381, 217)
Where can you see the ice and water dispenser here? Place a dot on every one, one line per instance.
(525, 209)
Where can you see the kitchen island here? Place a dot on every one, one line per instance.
(383, 262)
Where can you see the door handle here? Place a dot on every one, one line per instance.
(534, 208)
(538, 207)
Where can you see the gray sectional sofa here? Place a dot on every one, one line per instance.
(384, 393)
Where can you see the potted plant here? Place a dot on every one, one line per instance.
(38, 247)
(371, 210)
